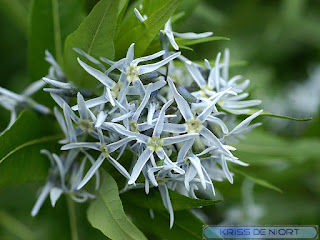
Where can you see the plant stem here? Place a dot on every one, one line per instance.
(72, 219)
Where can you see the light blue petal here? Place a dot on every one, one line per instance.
(122, 130)
(225, 69)
(43, 195)
(83, 111)
(191, 35)
(196, 74)
(225, 169)
(184, 151)
(101, 118)
(181, 102)
(213, 139)
(103, 78)
(119, 167)
(195, 161)
(150, 88)
(151, 111)
(218, 121)
(144, 157)
(174, 128)
(208, 110)
(189, 176)
(114, 146)
(130, 54)
(159, 125)
(170, 36)
(179, 138)
(33, 88)
(90, 58)
(93, 102)
(90, 145)
(91, 171)
(154, 66)
(245, 122)
(148, 58)
(167, 202)
(138, 15)
(55, 194)
(217, 72)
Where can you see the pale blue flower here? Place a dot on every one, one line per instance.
(58, 182)
(170, 35)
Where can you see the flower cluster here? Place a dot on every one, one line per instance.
(177, 122)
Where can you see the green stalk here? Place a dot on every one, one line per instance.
(72, 219)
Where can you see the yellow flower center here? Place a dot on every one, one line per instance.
(85, 125)
(193, 125)
(132, 73)
(104, 150)
(155, 143)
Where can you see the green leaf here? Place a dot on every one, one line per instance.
(51, 22)
(20, 158)
(189, 42)
(153, 200)
(261, 147)
(16, 11)
(142, 33)
(258, 181)
(186, 224)
(106, 212)
(94, 36)
(265, 113)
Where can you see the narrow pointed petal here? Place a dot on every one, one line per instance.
(138, 15)
(191, 35)
(225, 69)
(196, 74)
(179, 138)
(130, 54)
(100, 119)
(167, 202)
(189, 176)
(213, 139)
(159, 125)
(226, 169)
(195, 161)
(208, 110)
(90, 145)
(148, 58)
(82, 108)
(184, 150)
(219, 122)
(122, 130)
(174, 128)
(217, 72)
(154, 66)
(91, 171)
(114, 146)
(43, 195)
(151, 111)
(92, 102)
(170, 36)
(119, 167)
(144, 157)
(55, 194)
(181, 102)
(90, 58)
(60, 120)
(245, 122)
(33, 88)
(103, 78)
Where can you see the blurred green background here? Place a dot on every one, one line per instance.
(274, 43)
